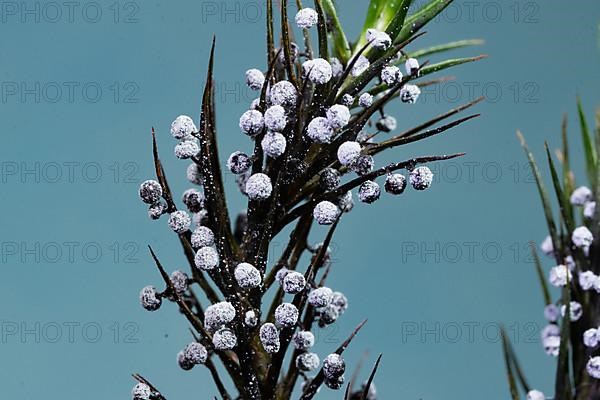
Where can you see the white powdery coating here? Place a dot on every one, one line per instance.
(183, 362)
(286, 315)
(193, 200)
(202, 237)
(303, 340)
(395, 184)
(365, 100)
(334, 366)
(179, 280)
(149, 298)
(325, 213)
(329, 179)
(269, 337)
(179, 221)
(338, 116)
(379, 40)
(387, 124)
(329, 314)
(320, 297)
(250, 319)
(247, 276)
(255, 103)
(258, 187)
(150, 191)
(336, 67)
(550, 331)
(551, 313)
(535, 395)
(241, 181)
(306, 18)
(319, 130)
(580, 196)
(363, 164)
(369, 192)
(195, 353)
(411, 65)
(283, 93)
(575, 311)
(391, 75)
(589, 209)
(200, 218)
(141, 391)
(590, 337)
(186, 149)
(252, 122)
(587, 280)
(182, 127)
(194, 174)
(317, 71)
(157, 209)
(421, 178)
(546, 246)
(281, 274)
(218, 314)
(409, 94)
(273, 144)
(348, 152)
(347, 99)
(551, 345)
(307, 362)
(255, 79)
(224, 339)
(340, 301)
(238, 162)
(597, 285)
(335, 384)
(559, 276)
(361, 65)
(345, 202)
(206, 258)
(593, 367)
(293, 282)
(294, 52)
(275, 118)
(582, 237)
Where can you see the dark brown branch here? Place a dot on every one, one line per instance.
(218, 382)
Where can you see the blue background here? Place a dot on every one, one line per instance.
(71, 166)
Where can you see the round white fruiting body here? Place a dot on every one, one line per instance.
(207, 258)
(252, 122)
(348, 152)
(338, 116)
(150, 191)
(319, 130)
(306, 18)
(325, 212)
(318, 71)
(179, 221)
(273, 144)
(259, 187)
(255, 79)
(247, 276)
(183, 127)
